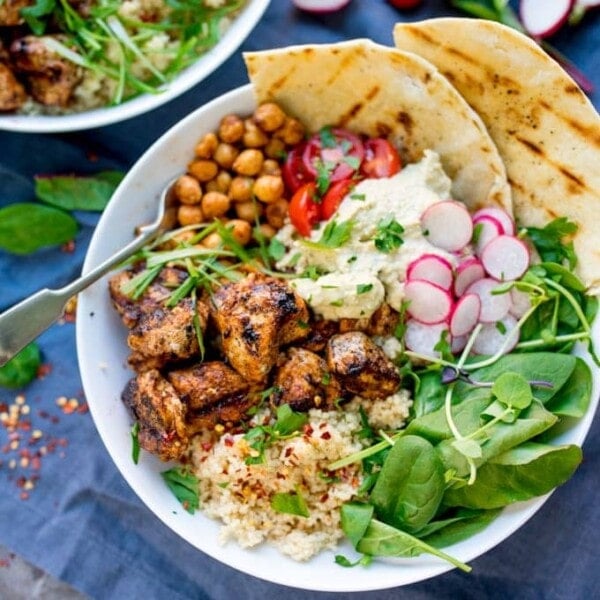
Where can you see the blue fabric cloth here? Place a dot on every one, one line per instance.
(81, 521)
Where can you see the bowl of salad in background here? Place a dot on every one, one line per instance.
(79, 65)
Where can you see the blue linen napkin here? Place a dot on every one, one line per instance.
(81, 522)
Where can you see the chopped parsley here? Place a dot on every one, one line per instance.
(358, 197)
(290, 503)
(388, 236)
(363, 288)
(135, 443)
(336, 234)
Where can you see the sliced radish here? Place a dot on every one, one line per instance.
(542, 18)
(433, 268)
(505, 258)
(458, 343)
(520, 303)
(320, 6)
(465, 315)
(486, 229)
(493, 336)
(505, 220)
(422, 338)
(447, 225)
(493, 306)
(467, 272)
(428, 303)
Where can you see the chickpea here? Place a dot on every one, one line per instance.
(254, 136)
(212, 240)
(181, 237)
(225, 154)
(188, 190)
(275, 148)
(269, 116)
(220, 183)
(240, 230)
(206, 146)
(291, 132)
(203, 170)
(215, 204)
(266, 231)
(249, 162)
(270, 167)
(268, 188)
(240, 189)
(276, 213)
(231, 129)
(248, 211)
(190, 214)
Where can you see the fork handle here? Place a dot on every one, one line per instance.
(22, 323)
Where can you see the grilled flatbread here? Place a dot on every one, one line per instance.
(380, 91)
(546, 129)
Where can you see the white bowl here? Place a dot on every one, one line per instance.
(102, 358)
(234, 36)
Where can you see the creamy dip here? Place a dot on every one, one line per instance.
(356, 277)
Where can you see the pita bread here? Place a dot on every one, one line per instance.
(546, 129)
(380, 91)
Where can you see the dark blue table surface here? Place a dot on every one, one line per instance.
(82, 523)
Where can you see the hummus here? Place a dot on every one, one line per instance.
(353, 278)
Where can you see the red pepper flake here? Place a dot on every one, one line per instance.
(83, 408)
(324, 498)
(3, 407)
(36, 463)
(24, 496)
(69, 246)
(228, 441)
(206, 446)
(308, 430)
(326, 435)
(43, 370)
(4, 562)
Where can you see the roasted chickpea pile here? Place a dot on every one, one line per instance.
(235, 175)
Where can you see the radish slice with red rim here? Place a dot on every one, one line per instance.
(485, 229)
(542, 18)
(428, 303)
(493, 336)
(433, 268)
(320, 6)
(505, 220)
(493, 306)
(422, 338)
(458, 343)
(505, 258)
(467, 272)
(465, 315)
(520, 302)
(447, 225)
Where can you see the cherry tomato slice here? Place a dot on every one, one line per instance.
(305, 213)
(293, 171)
(381, 159)
(334, 196)
(338, 149)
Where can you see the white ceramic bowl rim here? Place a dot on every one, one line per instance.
(238, 31)
(102, 353)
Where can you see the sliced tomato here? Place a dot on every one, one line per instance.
(293, 170)
(381, 159)
(305, 213)
(333, 197)
(339, 151)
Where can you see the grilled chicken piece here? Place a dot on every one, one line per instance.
(10, 12)
(361, 366)
(12, 93)
(255, 316)
(153, 297)
(228, 412)
(319, 334)
(160, 414)
(51, 79)
(206, 384)
(167, 334)
(304, 382)
(381, 323)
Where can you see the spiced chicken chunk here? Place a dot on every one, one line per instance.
(304, 382)
(167, 334)
(361, 366)
(255, 316)
(160, 413)
(12, 93)
(10, 12)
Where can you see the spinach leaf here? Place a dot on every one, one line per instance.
(573, 398)
(512, 390)
(429, 394)
(21, 368)
(466, 523)
(524, 472)
(291, 503)
(184, 486)
(26, 227)
(355, 518)
(411, 484)
(78, 193)
(381, 539)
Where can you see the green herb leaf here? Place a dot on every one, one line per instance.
(22, 368)
(363, 288)
(27, 227)
(135, 443)
(388, 236)
(364, 561)
(276, 249)
(290, 503)
(553, 241)
(327, 138)
(335, 235)
(513, 390)
(288, 421)
(184, 486)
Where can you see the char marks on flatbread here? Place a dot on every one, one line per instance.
(546, 129)
(381, 91)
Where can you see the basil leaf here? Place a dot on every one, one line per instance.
(26, 227)
(184, 486)
(290, 503)
(22, 368)
(77, 193)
